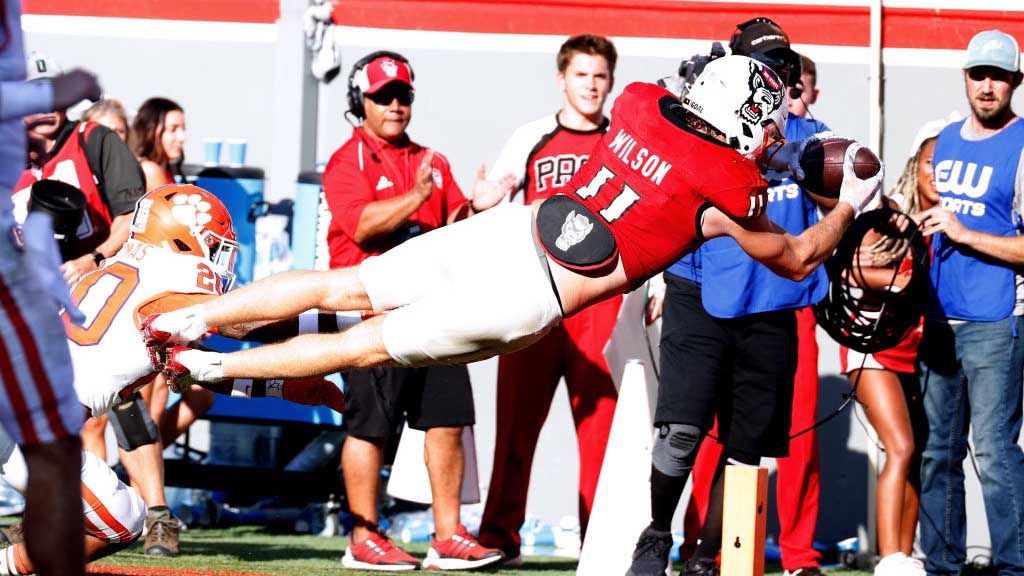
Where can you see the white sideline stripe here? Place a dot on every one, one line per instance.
(188, 30)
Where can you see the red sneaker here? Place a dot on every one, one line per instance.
(460, 552)
(378, 553)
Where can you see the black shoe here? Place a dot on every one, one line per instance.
(650, 558)
(699, 567)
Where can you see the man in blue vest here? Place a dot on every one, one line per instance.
(733, 353)
(972, 355)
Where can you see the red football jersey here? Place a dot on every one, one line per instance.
(649, 176)
(544, 155)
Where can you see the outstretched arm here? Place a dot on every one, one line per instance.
(795, 257)
(789, 256)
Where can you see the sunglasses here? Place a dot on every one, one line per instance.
(388, 94)
(979, 73)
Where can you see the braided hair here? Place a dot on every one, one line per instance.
(889, 249)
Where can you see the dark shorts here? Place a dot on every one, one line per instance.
(377, 399)
(740, 369)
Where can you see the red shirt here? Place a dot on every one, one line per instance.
(366, 170)
(71, 165)
(649, 176)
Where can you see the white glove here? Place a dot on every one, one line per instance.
(860, 194)
(784, 159)
(203, 366)
(182, 326)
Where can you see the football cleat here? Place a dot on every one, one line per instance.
(179, 377)
(155, 340)
(651, 555)
(314, 392)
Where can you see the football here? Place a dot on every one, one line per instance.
(822, 162)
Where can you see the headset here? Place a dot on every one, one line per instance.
(355, 93)
(795, 89)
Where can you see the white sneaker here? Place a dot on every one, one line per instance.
(895, 564)
(915, 567)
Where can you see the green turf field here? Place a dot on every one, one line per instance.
(255, 551)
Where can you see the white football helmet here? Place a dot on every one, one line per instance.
(742, 98)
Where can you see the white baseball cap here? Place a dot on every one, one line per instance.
(39, 66)
(932, 128)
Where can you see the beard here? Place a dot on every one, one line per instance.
(989, 116)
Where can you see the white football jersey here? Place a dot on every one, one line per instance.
(108, 352)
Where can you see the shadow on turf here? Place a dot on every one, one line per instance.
(249, 552)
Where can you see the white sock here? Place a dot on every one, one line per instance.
(204, 366)
(184, 325)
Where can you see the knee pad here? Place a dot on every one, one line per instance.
(132, 423)
(675, 449)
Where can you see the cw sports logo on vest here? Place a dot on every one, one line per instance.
(955, 177)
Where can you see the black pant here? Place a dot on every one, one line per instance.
(741, 369)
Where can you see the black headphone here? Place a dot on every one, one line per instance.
(355, 94)
(795, 68)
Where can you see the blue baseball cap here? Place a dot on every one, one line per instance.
(993, 48)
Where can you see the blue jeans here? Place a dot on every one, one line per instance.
(972, 378)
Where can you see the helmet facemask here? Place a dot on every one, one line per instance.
(744, 100)
(223, 253)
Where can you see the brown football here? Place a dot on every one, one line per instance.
(822, 162)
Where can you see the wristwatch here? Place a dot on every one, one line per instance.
(98, 257)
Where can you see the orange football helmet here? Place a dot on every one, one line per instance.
(188, 220)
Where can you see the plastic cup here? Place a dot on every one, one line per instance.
(236, 151)
(211, 151)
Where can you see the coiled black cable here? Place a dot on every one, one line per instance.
(865, 318)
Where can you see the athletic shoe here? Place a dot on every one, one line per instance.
(162, 535)
(650, 557)
(915, 567)
(809, 571)
(894, 564)
(699, 567)
(460, 552)
(10, 535)
(378, 553)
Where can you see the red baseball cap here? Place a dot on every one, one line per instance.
(380, 72)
